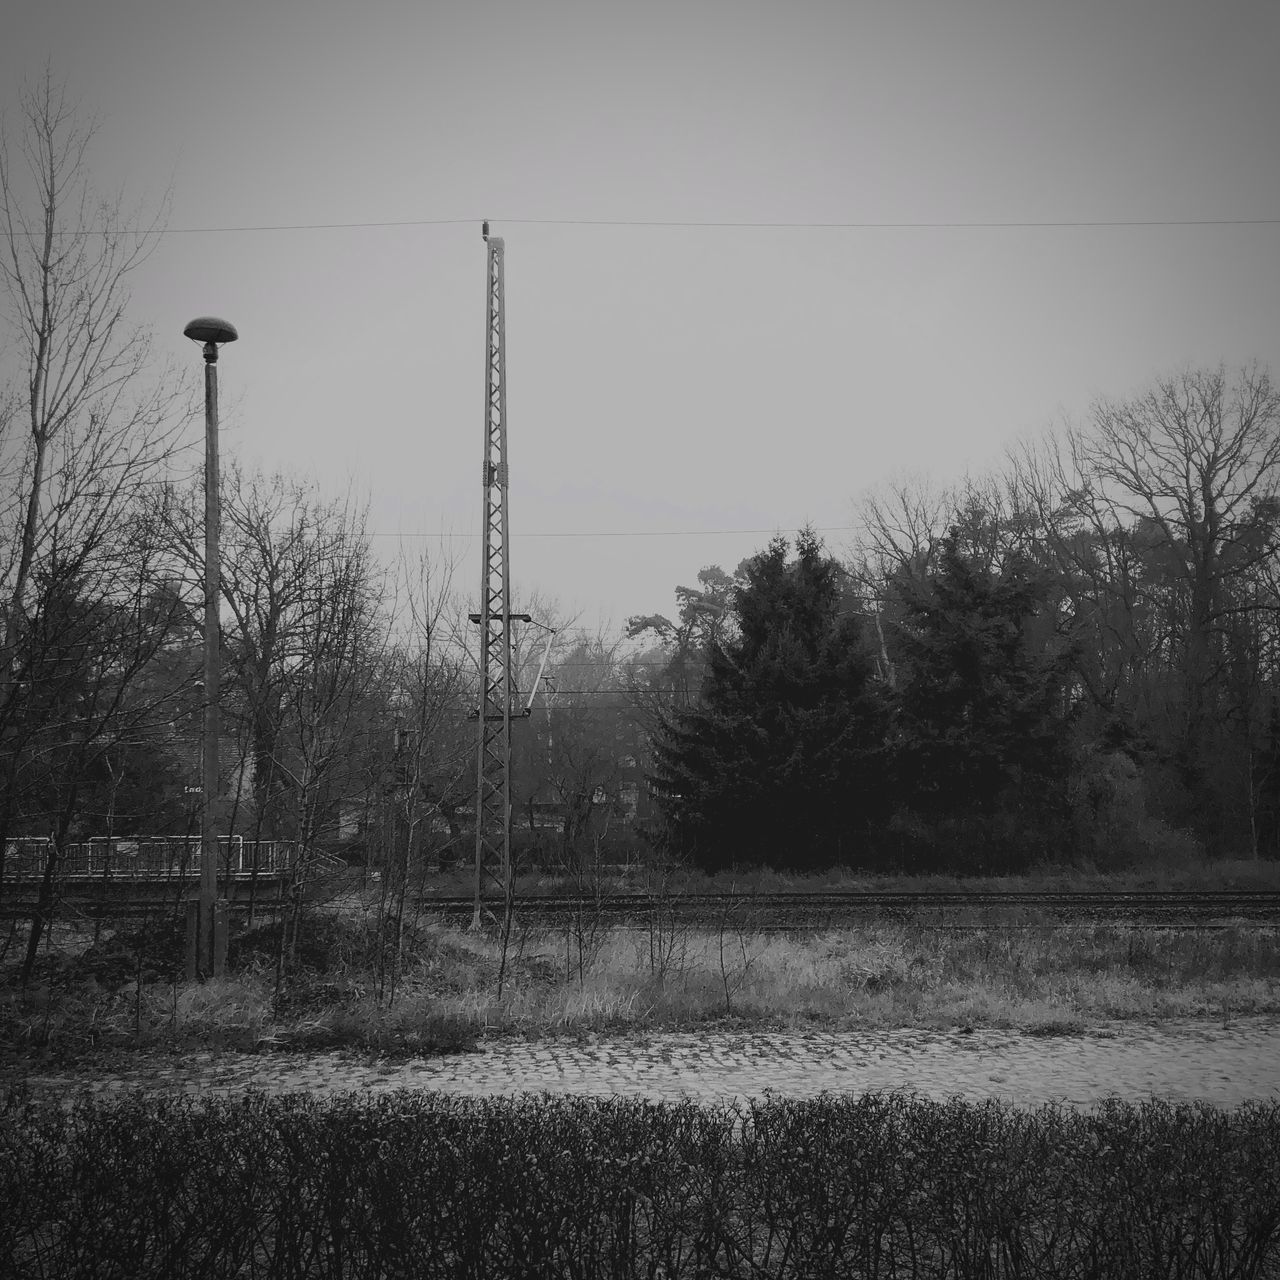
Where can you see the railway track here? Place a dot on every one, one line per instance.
(798, 911)
(833, 909)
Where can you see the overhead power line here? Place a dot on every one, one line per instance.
(895, 226)
(625, 533)
(730, 224)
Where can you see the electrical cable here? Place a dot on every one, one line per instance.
(624, 533)
(713, 224)
(893, 226)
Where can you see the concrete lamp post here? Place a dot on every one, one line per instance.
(206, 917)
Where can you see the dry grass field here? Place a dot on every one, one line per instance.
(440, 988)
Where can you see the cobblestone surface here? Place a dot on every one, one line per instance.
(1181, 1061)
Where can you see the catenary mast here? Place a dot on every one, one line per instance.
(493, 871)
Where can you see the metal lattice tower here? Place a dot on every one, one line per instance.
(493, 873)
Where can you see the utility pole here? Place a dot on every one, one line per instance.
(494, 881)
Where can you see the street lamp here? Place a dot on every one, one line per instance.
(206, 925)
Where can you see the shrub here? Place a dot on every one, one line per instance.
(156, 947)
(425, 1185)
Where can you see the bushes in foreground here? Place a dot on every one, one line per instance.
(424, 1185)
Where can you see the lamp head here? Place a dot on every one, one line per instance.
(210, 329)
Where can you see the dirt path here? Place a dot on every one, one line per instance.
(1199, 1060)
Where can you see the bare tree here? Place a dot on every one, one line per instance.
(899, 530)
(1162, 516)
(1195, 460)
(301, 597)
(901, 526)
(577, 742)
(335, 656)
(425, 770)
(95, 426)
(88, 427)
(1104, 569)
(1191, 469)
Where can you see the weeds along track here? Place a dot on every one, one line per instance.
(949, 910)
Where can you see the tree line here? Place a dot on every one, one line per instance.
(1077, 657)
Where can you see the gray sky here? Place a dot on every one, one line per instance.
(663, 380)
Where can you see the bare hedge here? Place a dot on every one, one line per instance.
(424, 1185)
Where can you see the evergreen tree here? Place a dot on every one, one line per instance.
(780, 762)
(982, 716)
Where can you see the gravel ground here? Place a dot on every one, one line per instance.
(1181, 1061)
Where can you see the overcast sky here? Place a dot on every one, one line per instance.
(669, 383)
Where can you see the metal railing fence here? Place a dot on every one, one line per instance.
(147, 857)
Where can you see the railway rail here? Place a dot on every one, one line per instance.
(772, 911)
(947, 909)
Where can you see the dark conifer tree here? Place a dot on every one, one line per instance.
(983, 716)
(781, 760)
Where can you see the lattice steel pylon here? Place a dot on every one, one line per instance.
(494, 880)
